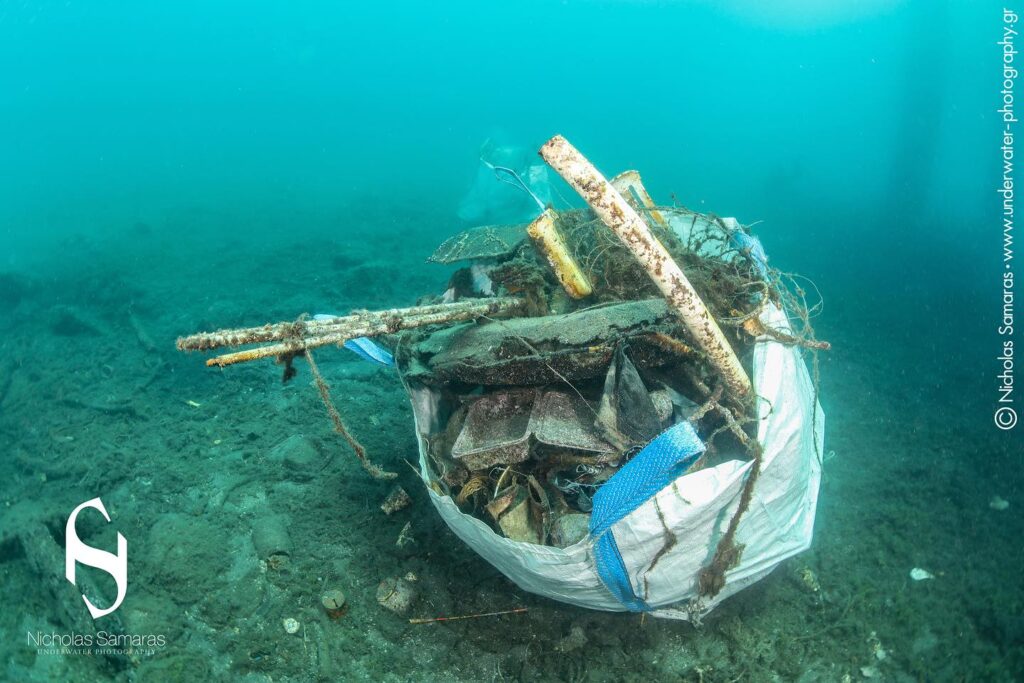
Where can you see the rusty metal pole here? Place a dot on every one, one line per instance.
(615, 212)
(298, 337)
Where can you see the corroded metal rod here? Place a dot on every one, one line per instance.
(339, 330)
(626, 223)
(205, 341)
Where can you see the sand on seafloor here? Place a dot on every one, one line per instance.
(209, 473)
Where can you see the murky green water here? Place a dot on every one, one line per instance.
(173, 167)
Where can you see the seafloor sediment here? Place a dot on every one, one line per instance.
(208, 473)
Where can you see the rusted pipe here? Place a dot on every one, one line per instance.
(339, 330)
(206, 341)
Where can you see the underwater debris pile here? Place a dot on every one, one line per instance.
(562, 353)
(540, 411)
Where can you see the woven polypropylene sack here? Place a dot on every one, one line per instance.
(692, 511)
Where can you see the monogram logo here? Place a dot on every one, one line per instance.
(77, 551)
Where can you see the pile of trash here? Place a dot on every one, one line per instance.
(536, 413)
(597, 394)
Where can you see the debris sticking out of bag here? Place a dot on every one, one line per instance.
(611, 402)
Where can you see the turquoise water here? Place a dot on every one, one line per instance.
(174, 167)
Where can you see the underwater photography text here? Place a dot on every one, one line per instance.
(1005, 415)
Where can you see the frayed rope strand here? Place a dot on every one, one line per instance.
(339, 426)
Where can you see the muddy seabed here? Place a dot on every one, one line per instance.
(195, 465)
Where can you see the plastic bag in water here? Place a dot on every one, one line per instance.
(493, 199)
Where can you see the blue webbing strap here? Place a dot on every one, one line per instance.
(652, 469)
(364, 347)
(370, 351)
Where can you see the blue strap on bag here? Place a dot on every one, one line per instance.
(364, 347)
(371, 351)
(661, 461)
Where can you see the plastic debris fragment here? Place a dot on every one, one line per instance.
(371, 351)
(396, 500)
(496, 430)
(484, 242)
(550, 243)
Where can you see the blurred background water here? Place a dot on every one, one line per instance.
(835, 123)
(861, 128)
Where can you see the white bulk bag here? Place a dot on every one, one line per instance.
(696, 508)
